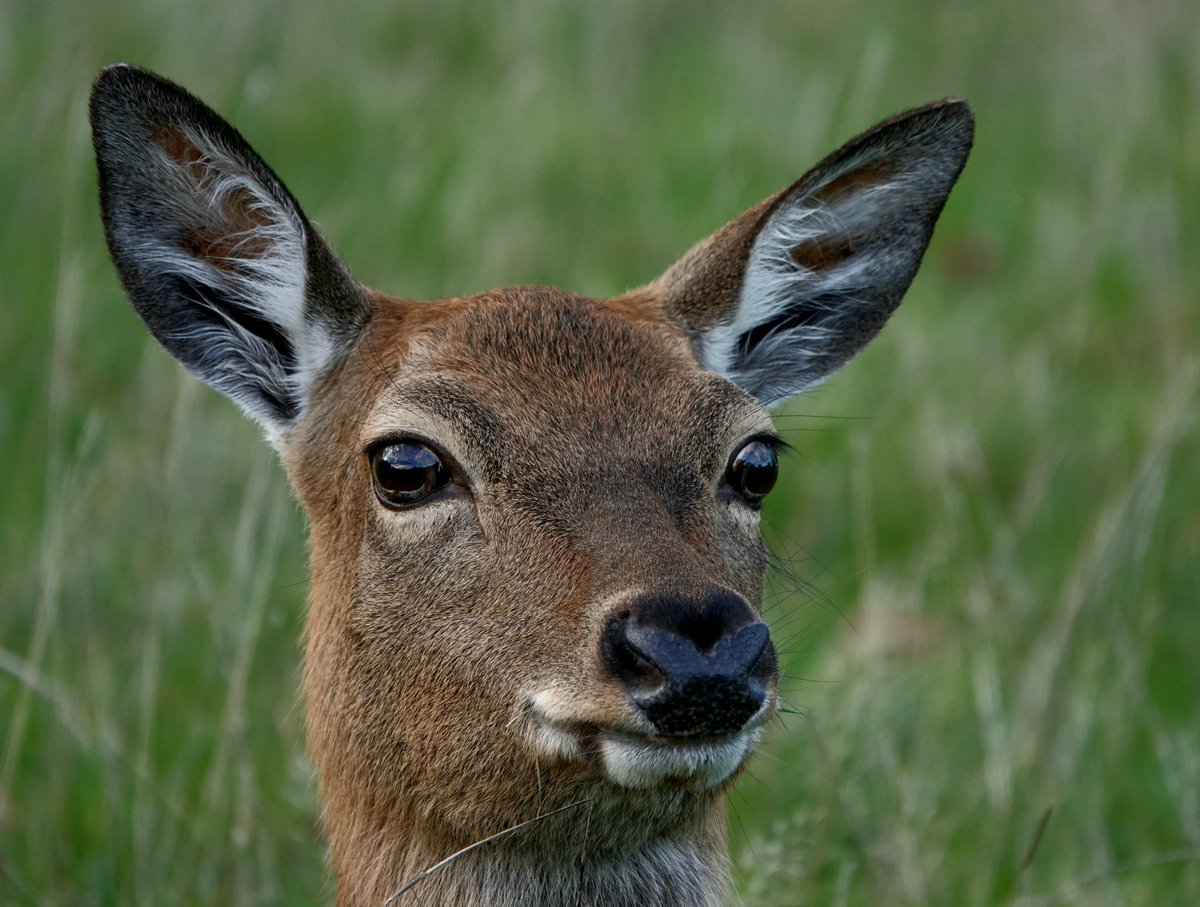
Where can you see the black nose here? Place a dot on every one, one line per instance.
(695, 668)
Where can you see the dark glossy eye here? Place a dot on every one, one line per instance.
(406, 473)
(753, 470)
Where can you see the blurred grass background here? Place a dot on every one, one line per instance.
(988, 539)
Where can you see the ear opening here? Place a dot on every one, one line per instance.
(785, 294)
(216, 256)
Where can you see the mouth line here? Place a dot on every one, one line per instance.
(631, 736)
(588, 729)
(633, 758)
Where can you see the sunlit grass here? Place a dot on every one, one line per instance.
(988, 538)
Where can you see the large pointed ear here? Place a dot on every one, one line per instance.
(786, 293)
(215, 255)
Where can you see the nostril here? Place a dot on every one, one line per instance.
(766, 663)
(742, 651)
(624, 660)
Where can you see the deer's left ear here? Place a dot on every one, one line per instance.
(786, 293)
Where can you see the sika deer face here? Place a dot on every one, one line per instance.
(572, 589)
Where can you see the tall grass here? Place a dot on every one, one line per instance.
(987, 543)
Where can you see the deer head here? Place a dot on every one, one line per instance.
(534, 516)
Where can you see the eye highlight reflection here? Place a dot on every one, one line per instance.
(406, 473)
(753, 470)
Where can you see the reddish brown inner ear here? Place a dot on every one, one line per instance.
(178, 146)
(225, 250)
(241, 214)
(822, 255)
(856, 179)
(829, 251)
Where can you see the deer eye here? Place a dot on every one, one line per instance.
(406, 473)
(753, 470)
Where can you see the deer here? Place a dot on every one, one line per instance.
(535, 659)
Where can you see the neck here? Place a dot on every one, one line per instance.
(660, 872)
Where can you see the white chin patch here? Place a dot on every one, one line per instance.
(631, 762)
(555, 742)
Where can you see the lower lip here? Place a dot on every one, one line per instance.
(642, 763)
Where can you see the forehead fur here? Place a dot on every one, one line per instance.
(532, 334)
(540, 361)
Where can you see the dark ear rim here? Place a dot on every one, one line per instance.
(949, 121)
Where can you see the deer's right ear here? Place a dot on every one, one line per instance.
(786, 293)
(215, 255)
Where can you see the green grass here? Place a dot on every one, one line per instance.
(988, 539)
